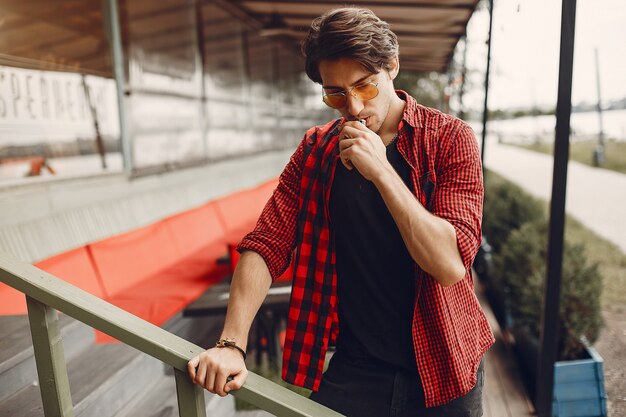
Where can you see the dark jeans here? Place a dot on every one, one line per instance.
(359, 388)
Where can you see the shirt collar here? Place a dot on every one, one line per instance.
(411, 113)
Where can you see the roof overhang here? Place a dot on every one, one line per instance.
(70, 35)
(428, 30)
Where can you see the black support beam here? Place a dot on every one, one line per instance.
(552, 291)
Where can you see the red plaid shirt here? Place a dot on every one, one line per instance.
(450, 331)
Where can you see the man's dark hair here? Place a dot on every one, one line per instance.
(349, 32)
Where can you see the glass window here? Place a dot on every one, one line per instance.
(58, 103)
(263, 89)
(226, 84)
(164, 82)
(224, 68)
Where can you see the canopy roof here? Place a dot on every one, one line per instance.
(69, 34)
(428, 30)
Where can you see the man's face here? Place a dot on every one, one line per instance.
(343, 74)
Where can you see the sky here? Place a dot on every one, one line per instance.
(525, 51)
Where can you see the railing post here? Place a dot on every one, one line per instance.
(190, 396)
(51, 369)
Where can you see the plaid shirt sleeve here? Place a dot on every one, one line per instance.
(458, 194)
(274, 234)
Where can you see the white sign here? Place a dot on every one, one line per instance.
(46, 106)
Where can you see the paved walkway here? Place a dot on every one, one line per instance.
(595, 197)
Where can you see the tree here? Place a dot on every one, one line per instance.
(427, 88)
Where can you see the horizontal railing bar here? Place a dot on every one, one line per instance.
(145, 336)
(97, 313)
(280, 401)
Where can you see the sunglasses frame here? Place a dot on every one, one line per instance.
(350, 91)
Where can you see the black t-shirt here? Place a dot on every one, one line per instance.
(375, 273)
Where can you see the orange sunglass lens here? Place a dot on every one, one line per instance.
(363, 92)
(335, 100)
(366, 92)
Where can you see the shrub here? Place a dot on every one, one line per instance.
(506, 208)
(520, 267)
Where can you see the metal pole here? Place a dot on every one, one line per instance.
(601, 137)
(463, 75)
(245, 52)
(200, 60)
(96, 125)
(112, 28)
(598, 153)
(550, 318)
(276, 100)
(486, 108)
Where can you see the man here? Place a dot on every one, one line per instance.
(383, 208)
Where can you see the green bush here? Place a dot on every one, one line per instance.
(520, 268)
(506, 208)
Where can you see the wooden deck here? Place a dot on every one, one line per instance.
(504, 394)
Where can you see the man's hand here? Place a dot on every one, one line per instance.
(212, 368)
(362, 149)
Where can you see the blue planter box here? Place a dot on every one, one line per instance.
(578, 384)
(579, 387)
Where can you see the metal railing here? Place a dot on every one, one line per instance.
(45, 294)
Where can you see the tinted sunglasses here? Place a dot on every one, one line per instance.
(339, 99)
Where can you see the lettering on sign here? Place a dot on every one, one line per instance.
(34, 95)
(54, 104)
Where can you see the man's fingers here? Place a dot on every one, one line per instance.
(345, 151)
(355, 124)
(237, 381)
(211, 369)
(201, 374)
(191, 368)
(209, 384)
(346, 143)
(350, 132)
(220, 382)
(345, 158)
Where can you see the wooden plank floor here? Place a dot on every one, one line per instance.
(504, 394)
